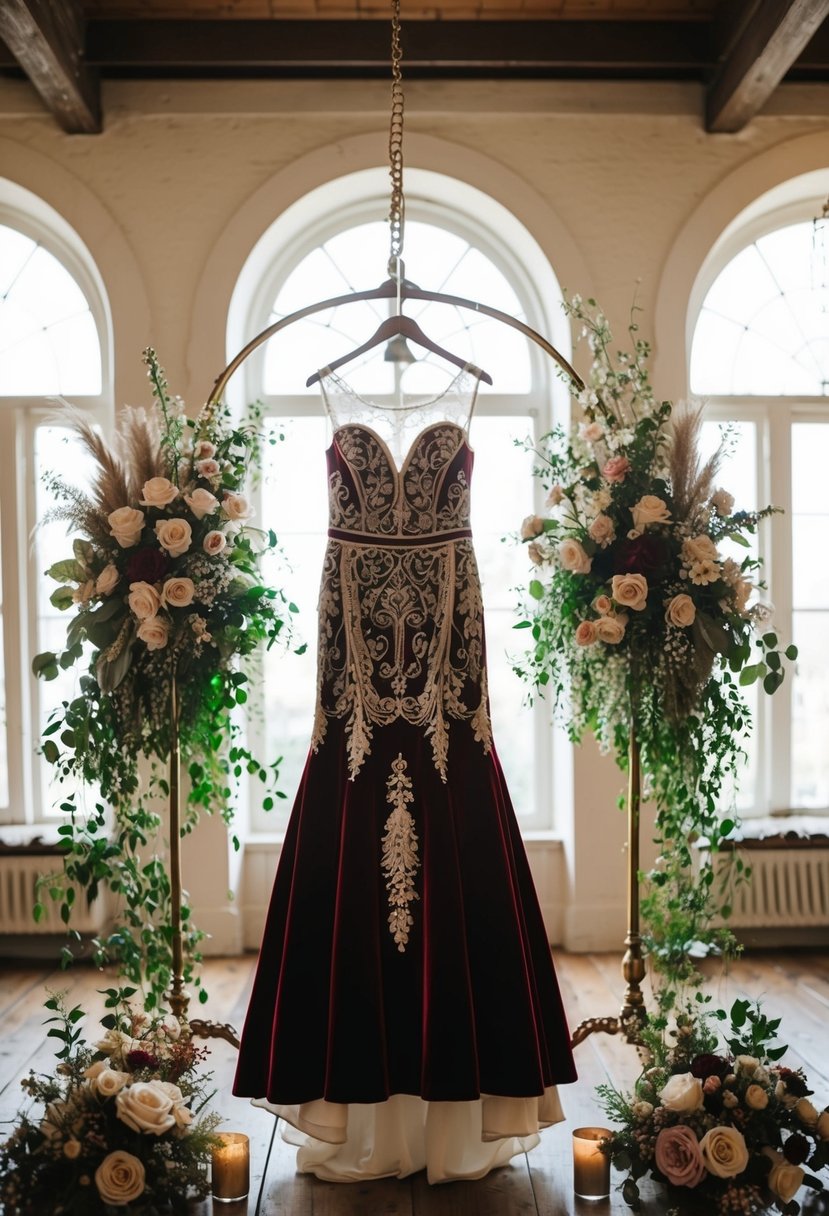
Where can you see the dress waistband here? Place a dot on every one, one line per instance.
(375, 540)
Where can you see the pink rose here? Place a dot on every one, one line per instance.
(677, 1156)
(616, 469)
(586, 634)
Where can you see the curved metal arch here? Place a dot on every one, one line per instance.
(389, 290)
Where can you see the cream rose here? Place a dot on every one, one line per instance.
(237, 507)
(680, 611)
(745, 1065)
(126, 525)
(109, 1082)
(722, 502)
(610, 629)
(602, 530)
(204, 449)
(784, 1179)
(532, 526)
(756, 1097)
(724, 1152)
(650, 510)
(591, 432)
(174, 535)
(586, 633)
(630, 590)
(93, 1070)
(214, 543)
(555, 496)
(603, 604)
(144, 600)
(155, 632)
(84, 593)
(806, 1112)
(208, 468)
(178, 592)
(120, 1178)
(682, 1093)
(145, 1107)
(822, 1127)
(201, 502)
(107, 580)
(699, 549)
(573, 557)
(158, 492)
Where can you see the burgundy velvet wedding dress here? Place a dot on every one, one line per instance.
(405, 1012)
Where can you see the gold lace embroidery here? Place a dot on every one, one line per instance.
(400, 849)
(401, 628)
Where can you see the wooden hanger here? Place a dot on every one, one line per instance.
(399, 326)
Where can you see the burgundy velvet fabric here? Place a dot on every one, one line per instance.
(471, 1006)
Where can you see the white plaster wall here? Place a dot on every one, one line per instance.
(619, 184)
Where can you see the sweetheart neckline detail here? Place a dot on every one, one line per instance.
(400, 470)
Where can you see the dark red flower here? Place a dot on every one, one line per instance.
(709, 1065)
(794, 1082)
(796, 1149)
(641, 555)
(139, 1059)
(147, 566)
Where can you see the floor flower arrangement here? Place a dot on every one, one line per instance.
(717, 1119)
(120, 1125)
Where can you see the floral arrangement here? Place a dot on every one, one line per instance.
(717, 1118)
(164, 585)
(641, 618)
(120, 1126)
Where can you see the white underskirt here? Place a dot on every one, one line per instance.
(404, 1134)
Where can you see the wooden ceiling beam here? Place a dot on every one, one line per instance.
(46, 39)
(763, 44)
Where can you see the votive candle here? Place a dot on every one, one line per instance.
(231, 1167)
(591, 1167)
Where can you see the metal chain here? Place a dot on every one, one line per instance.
(397, 208)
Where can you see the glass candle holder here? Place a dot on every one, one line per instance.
(231, 1167)
(591, 1167)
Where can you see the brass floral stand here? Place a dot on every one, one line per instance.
(178, 996)
(632, 1014)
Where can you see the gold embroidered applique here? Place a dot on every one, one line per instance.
(400, 853)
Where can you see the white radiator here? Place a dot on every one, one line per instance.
(789, 888)
(18, 896)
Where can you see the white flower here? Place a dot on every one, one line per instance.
(174, 535)
(682, 1093)
(201, 502)
(214, 543)
(126, 525)
(730, 1099)
(237, 507)
(178, 592)
(680, 611)
(155, 632)
(144, 600)
(591, 432)
(724, 1152)
(120, 1178)
(704, 572)
(532, 526)
(642, 1110)
(536, 553)
(630, 590)
(107, 580)
(602, 530)
(146, 1107)
(722, 502)
(158, 492)
(554, 497)
(650, 510)
(745, 1065)
(573, 557)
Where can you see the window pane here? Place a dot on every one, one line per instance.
(762, 328)
(810, 593)
(355, 260)
(55, 452)
(48, 338)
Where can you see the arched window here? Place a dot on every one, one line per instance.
(760, 358)
(458, 247)
(52, 344)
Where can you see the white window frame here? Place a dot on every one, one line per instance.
(20, 417)
(547, 399)
(774, 418)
